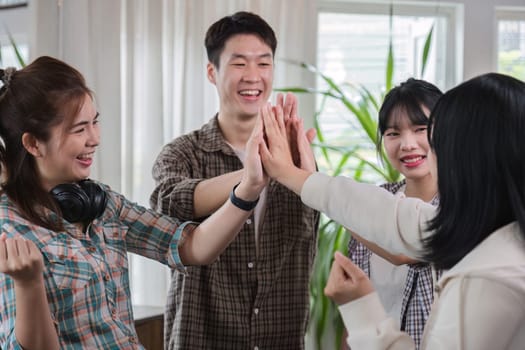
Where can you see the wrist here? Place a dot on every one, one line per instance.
(294, 178)
(29, 283)
(247, 192)
(240, 202)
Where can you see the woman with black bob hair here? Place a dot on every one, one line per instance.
(405, 286)
(64, 279)
(476, 233)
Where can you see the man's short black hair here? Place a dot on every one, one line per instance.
(238, 23)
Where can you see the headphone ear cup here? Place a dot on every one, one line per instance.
(80, 202)
(72, 200)
(97, 198)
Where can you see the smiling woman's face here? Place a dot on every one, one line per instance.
(68, 154)
(406, 146)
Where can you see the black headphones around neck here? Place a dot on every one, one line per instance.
(80, 202)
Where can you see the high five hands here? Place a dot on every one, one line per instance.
(285, 151)
(254, 175)
(287, 157)
(295, 131)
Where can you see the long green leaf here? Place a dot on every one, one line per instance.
(322, 307)
(342, 240)
(370, 97)
(15, 48)
(389, 77)
(360, 115)
(320, 135)
(389, 68)
(341, 164)
(300, 90)
(368, 122)
(358, 173)
(372, 165)
(426, 50)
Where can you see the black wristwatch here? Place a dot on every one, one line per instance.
(241, 203)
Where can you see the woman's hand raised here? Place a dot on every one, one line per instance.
(346, 281)
(276, 154)
(20, 259)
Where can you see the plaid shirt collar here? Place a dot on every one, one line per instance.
(212, 138)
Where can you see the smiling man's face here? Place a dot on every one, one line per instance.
(244, 77)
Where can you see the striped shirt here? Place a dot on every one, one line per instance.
(418, 293)
(243, 300)
(86, 273)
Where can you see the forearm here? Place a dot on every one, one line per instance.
(34, 327)
(369, 327)
(210, 194)
(395, 259)
(204, 245)
(357, 206)
(294, 178)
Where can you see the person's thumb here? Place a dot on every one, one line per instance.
(347, 265)
(310, 135)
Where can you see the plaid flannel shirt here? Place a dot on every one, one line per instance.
(418, 293)
(241, 301)
(86, 273)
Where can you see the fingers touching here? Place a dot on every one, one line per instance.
(288, 104)
(310, 135)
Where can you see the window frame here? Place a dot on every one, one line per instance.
(452, 13)
(11, 4)
(504, 13)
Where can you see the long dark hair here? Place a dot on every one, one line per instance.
(33, 100)
(477, 133)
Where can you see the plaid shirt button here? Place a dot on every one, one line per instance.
(250, 265)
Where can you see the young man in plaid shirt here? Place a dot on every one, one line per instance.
(256, 294)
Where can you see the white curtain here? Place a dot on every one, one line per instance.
(146, 62)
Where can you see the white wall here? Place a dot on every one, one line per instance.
(96, 54)
(479, 24)
(479, 33)
(479, 27)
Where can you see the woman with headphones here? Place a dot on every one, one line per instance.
(64, 240)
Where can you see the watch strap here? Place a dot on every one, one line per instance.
(241, 203)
